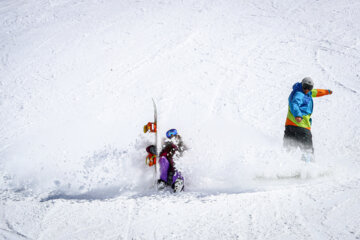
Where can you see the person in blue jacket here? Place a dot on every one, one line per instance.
(298, 121)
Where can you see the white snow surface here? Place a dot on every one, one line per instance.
(76, 82)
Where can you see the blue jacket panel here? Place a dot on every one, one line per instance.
(300, 104)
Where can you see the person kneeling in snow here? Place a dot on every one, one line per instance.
(173, 148)
(298, 121)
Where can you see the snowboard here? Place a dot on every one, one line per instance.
(307, 157)
(153, 150)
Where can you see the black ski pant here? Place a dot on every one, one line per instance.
(298, 137)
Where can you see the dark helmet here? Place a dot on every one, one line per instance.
(151, 149)
(307, 83)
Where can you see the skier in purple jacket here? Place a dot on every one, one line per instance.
(169, 175)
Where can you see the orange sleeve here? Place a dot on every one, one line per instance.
(320, 92)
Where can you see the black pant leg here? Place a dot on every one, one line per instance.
(298, 137)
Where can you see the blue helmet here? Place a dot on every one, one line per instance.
(171, 133)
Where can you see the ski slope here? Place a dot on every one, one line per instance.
(77, 78)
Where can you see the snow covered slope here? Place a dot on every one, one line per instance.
(77, 78)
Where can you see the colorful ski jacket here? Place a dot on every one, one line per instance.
(170, 150)
(301, 105)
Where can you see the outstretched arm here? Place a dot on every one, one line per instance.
(320, 92)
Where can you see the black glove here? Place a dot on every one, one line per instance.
(170, 177)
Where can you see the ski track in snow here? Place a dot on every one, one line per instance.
(76, 88)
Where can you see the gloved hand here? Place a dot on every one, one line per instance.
(170, 177)
(330, 92)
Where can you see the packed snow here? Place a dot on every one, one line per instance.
(77, 79)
